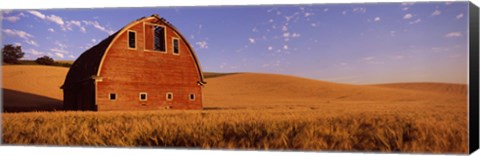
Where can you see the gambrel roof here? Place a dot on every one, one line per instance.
(88, 64)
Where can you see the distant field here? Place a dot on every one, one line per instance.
(60, 63)
(252, 111)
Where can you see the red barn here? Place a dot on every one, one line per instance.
(146, 65)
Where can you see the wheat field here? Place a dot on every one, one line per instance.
(266, 112)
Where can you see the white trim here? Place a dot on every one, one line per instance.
(128, 39)
(173, 46)
(144, 44)
(190, 95)
(140, 96)
(166, 96)
(110, 95)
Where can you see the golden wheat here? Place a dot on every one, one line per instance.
(242, 129)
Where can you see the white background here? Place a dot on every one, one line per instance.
(62, 151)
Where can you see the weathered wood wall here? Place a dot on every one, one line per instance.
(127, 72)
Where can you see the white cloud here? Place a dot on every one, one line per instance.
(295, 35)
(254, 30)
(286, 34)
(222, 65)
(308, 14)
(416, 21)
(453, 34)
(59, 55)
(376, 19)
(405, 8)
(77, 23)
(5, 11)
(288, 18)
(313, 25)
(98, 26)
(459, 16)
(408, 3)
(58, 50)
(69, 25)
(284, 28)
(270, 48)
(56, 19)
(94, 40)
(27, 38)
(12, 19)
(285, 47)
(82, 29)
(51, 30)
(325, 10)
(359, 10)
(270, 20)
(368, 58)
(71, 56)
(407, 16)
(36, 13)
(344, 12)
(31, 42)
(371, 60)
(17, 33)
(35, 52)
(393, 33)
(202, 44)
(59, 44)
(51, 18)
(436, 13)
(251, 40)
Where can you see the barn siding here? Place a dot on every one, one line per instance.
(128, 72)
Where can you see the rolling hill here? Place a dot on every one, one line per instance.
(38, 86)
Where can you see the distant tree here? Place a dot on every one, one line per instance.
(12, 53)
(45, 60)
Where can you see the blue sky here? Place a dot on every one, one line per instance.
(347, 43)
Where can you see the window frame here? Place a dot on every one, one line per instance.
(166, 96)
(128, 39)
(140, 96)
(173, 46)
(110, 96)
(190, 95)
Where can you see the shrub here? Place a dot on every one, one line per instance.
(45, 60)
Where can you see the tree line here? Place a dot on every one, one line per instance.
(13, 53)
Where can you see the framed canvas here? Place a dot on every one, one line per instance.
(315, 78)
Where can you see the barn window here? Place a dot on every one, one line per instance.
(176, 51)
(191, 96)
(113, 96)
(132, 39)
(159, 38)
(143, 96)
(169, 96)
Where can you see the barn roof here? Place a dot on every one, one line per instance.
(87, 65)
